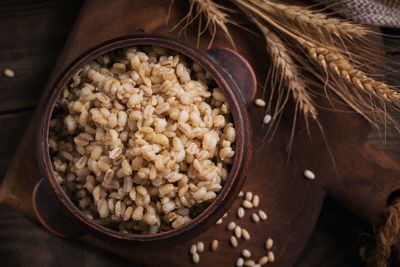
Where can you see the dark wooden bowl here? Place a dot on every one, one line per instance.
(231, 73)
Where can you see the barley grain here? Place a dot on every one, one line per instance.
(263, 216)
(239, 262)
(263, 260)
(309, 174)
(240, 193)
(240, 212)
(193, 249)
(245, 234)
(249, 263)
(267, 119)
(246, 253)
(249, 196)
(269, 243)
(255, 201)
(247, 204)
(271, 256)
(238, 231)
(233, 241)
(9, 73)
(200, 246)
(260, 102)
(231, 226)
(220, 221)
(255, 218)
(196, 257)
(214, 245)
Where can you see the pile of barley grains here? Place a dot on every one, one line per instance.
(139, 142)
(236, 232)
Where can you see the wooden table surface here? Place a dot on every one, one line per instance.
(32, 34)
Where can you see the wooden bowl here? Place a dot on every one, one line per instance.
(232, 74)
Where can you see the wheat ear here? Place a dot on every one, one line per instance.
(215, 17)
(332, 58)
(288, 69)
(329, 57)
(303, 16)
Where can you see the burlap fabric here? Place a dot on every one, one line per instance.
(373, 12)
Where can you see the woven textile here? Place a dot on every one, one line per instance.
(373, 12)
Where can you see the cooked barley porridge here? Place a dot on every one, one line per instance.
(142, 140)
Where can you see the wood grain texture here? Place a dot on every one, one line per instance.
(34, 47)
(25, 243)
(338, 232)
(11, 130)
(325, 247)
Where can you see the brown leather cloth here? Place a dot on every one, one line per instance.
(373, 12)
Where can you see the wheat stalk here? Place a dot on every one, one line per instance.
(215, 17)
(305, 17)
(306, 44)
(329, 57)
(333, 58)
(288, 70)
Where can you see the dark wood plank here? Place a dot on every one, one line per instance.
(25, 243)
(336, 239)
(32, 34)
(12, 128)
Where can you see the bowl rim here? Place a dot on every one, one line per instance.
(238, 110)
